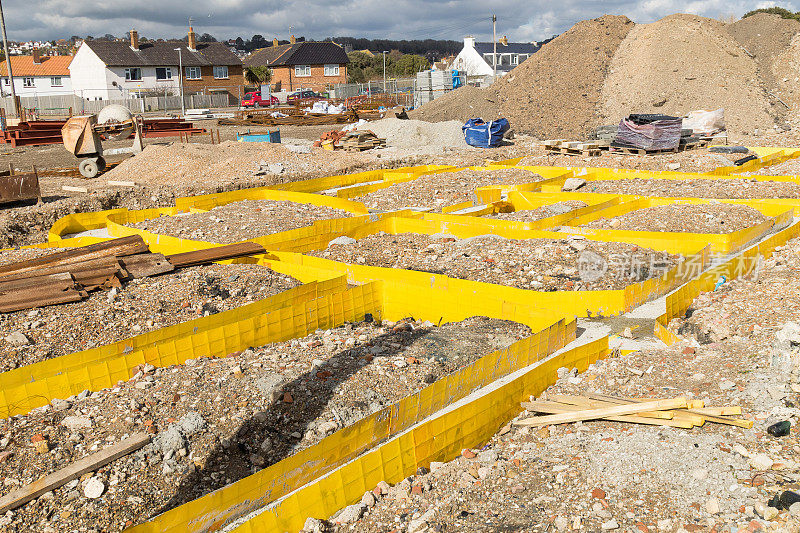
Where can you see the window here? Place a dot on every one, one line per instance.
(133, 74)
(221, 73)
(514, 59)
(5, 80)
(193, 73)
(331, 70)
(523, 57)
(27, 82)
(488, 58)
(55, 81)
(302, 71)
(163, 73)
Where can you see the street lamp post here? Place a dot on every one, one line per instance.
(180, 80)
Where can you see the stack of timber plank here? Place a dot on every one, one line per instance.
(360, 140)
(562, 146)
(674, 412)
(69, 276)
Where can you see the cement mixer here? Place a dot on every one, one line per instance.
(83, 136)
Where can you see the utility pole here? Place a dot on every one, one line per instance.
(494, 43)
(180, 78)
(8, 63)
(384, 70)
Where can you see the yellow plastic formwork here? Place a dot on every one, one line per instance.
(348, 180)
(439, 439)
(212, 511)
(742, 264)
(679, 242)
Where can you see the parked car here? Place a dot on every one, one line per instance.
(302, 95)
(253, 99)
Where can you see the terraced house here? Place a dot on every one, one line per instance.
(103, 70)
(302, 65)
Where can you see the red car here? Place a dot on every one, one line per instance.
(253, 99)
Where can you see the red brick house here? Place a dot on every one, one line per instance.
(304, 65)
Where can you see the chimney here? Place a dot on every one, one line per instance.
(275, 41)
(291, 39)
(134, 40)
(192, 40)
(469, 42)
(37, 58)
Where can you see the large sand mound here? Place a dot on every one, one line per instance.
(681, 63)
(555, 92)
(461, 104)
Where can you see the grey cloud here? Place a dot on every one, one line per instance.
(398, 19)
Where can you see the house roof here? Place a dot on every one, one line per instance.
(160, 53)
(50, 66)
(304, 53)
(510, 48)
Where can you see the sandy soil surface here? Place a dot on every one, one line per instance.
(698, 160)
(530, 215)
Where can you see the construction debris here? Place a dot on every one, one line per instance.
(70, 275)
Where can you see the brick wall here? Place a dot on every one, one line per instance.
(234, 84)
(317, 81)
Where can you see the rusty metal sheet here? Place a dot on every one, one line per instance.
(19, 187)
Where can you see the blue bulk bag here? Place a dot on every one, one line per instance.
(479, 133)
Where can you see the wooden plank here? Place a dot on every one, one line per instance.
(61, 279)
(123, 246)
(9, 305)
(593, 414)
(98, 265)
(218, 253)
(634, 419)
(589, 402)
(144, 265)
(691, 411)
(58, 478)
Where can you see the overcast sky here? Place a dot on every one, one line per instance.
(520, 20)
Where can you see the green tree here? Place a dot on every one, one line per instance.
(258, 75)
(410, 64)
(784, 13)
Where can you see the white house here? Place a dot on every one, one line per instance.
(477, 59)
(103, 70)
(37, 75)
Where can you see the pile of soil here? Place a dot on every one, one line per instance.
(556, 91)
(769, 38)
(682, 63)
(699, 218)
(462, 104)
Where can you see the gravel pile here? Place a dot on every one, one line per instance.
(196, 165)
(654, 72)
(217, 420)
(462, 104)
(418, 134)
(769, 38)
(443, 189)
(727, 188)
(699, 160)
(538, 264)
(240, 221)
(555, 93)
(545, 211)
(790, 167)
(139, 306)
(689, 218)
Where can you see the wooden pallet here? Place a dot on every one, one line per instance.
(359, 141)
(642, 151)
(561, 146)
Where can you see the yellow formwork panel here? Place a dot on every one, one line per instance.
(209, 201)
(346, 180)
(260, 322)
(439, 439)
(214, 510)
(678, 242)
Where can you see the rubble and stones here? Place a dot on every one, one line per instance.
(686, 218)
(537, 264)
(443, 189)
(728, 188)
(238, 221)
(545, 211)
